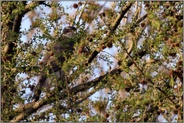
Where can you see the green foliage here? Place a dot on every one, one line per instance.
(136, 67)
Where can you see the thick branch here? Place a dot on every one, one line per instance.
(64, 109)
(28, 109)
(119, 18)
(33, 5)
(17, 22)
(11, 25)
(31, 107)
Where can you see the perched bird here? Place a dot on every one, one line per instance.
(53, 60)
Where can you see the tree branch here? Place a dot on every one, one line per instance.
(29, 108)
(33, 5)
(33, 106)
(112, 29)
(17, 22)
(11, 26)
(80, 16)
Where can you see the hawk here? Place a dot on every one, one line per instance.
(53, 60)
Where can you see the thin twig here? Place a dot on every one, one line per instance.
(110, 54)
(113, 28)
(82, 11)
(29, 108)
(149, 79)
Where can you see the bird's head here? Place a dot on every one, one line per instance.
(69, 31)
